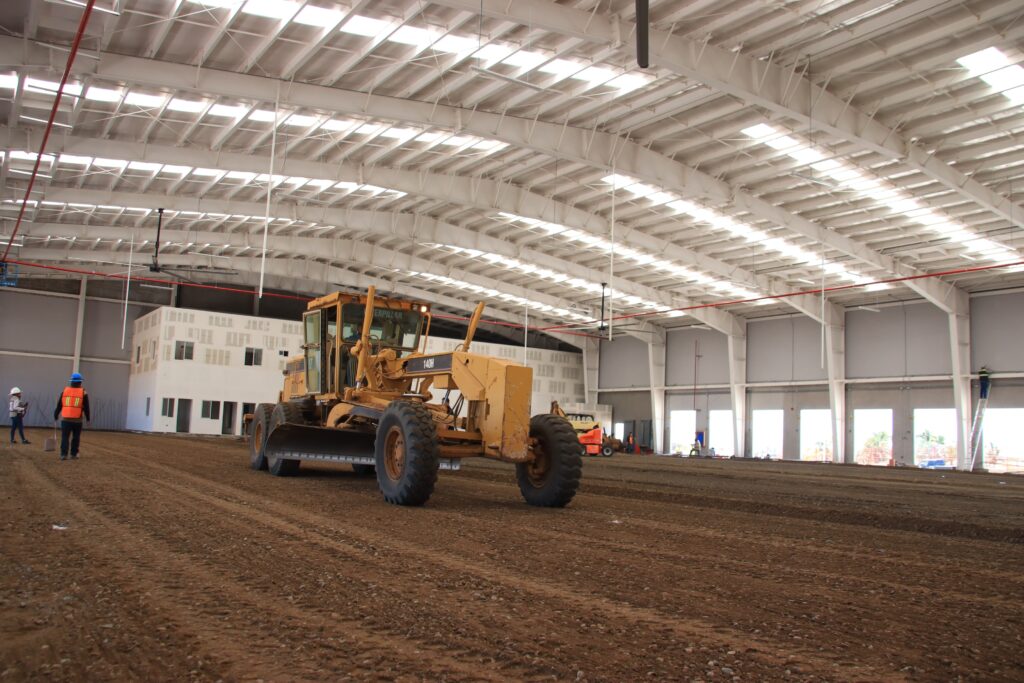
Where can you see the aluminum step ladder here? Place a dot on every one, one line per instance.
(979, 419)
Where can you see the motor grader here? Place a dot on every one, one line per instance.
(361, 393)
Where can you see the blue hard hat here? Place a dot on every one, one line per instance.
(76, 377)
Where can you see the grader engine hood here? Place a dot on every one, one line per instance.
(502, 388)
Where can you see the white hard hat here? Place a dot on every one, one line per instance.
(15, 390)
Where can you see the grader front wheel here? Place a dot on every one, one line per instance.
(407, 454)
(284, 413)
(553, 476)
(258, 436)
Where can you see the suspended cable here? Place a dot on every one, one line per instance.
(49, 123)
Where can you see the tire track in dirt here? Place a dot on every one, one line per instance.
(304, 524)
(174, 596)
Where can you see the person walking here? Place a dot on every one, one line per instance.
(72, 406)
(17, 408)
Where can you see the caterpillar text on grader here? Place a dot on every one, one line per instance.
(360, 394)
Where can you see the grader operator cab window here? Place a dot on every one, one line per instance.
(390, 328)
(311, 348)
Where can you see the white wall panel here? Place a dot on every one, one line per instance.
(997, 332)
(624, 364)
(784, 350)
(38, 323)
(712, 353)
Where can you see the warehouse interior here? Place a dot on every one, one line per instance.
(774, 249)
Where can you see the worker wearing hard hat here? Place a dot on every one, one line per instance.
(72, 406)
(17, 409)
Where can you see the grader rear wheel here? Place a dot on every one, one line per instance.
(407, 453)
(553, 476)
(284, 413)
(258, 436)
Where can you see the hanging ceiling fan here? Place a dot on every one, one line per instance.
(178, 271)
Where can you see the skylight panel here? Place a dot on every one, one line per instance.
(110, 163)
(562, 68)
(337, 124)
(525, 59)
(217, 3)
(429, 136)
(272, 9)
(984, 61)
(50, 87)
(399, 133)
(368, 128)
(262, 115)
(595, 75)
(629, 82)
(364, 26)
(415, 36)
(455, 44)
(103, 94)
(998, 71)
(8, 81)
(179, 170)
(301, 120)
(190, 106)
(142, 100)
(321, 17)
(494, 52)
(207, 172)
(72, 159)
(236, 111)
(457, 140)
(144, 166)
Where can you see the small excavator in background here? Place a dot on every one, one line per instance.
(589, 432)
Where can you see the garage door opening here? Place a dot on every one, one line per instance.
(767, 434)
(816, 435)
(872, 436)
(935, 437)
(720, 432)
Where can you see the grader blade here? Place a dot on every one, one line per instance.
(306, 442)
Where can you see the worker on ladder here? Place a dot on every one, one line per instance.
(983, 376)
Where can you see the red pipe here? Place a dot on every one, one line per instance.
(49, 124)
(247, 292)
(786, 295)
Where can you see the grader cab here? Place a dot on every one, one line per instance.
(362, 392)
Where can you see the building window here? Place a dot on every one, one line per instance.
(183, 350)
(138, 353)
(147, 406)
(167, 407)
(253, 356)
(211, 410)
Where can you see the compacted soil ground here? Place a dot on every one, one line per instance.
(166, 558)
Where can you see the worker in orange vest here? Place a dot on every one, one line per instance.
(72, 406)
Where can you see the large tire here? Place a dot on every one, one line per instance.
(407, 453)
(364, 470)
(553, 476)
(284, 413)
(607, 451)
(258, 436)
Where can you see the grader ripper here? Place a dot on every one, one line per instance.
(361, 394)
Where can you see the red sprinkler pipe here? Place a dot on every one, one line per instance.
(236, 290)
(786, 295)
(49, 124)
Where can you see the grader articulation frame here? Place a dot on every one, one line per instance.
(361, 394)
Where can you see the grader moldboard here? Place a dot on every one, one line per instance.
(361, 394)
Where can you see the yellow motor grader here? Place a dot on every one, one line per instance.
(360, 393)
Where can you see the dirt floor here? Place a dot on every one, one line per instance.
(166, 558)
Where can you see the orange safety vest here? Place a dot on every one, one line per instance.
(71, 403)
